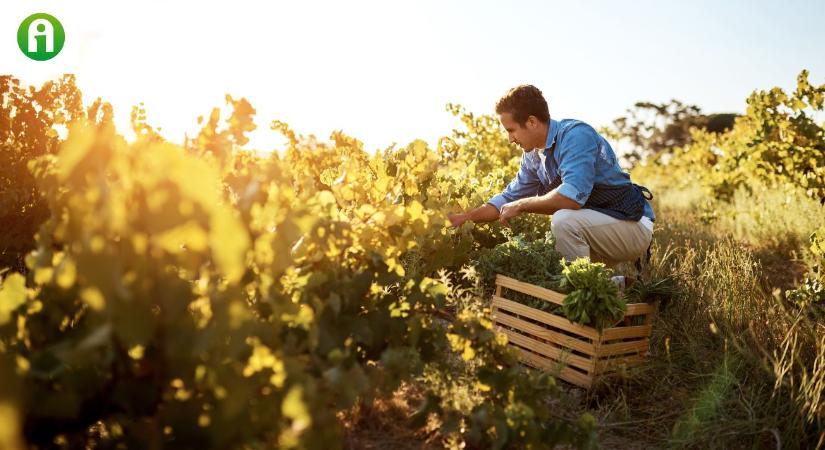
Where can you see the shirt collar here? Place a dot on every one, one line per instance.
(552, 131)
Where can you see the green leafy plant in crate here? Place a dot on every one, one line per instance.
(594, 298)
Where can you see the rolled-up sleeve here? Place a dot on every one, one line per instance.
(577, 164)
(525, 184)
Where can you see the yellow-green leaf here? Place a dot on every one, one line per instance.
(295, 408)
(9, 427)
(230, 242)
(12, 295)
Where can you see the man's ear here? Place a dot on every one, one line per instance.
(532, 122)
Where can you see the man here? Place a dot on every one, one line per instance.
(568, 170)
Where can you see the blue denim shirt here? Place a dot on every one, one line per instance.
(581, 157)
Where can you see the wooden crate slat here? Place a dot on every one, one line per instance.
(639, 309)
(638, 331)
(549, 351)
(621, 348)
(500, 317)
(530, 289)
(566, 373)
(546, 318)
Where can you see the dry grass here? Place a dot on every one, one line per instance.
(732, 365)
(383, 423)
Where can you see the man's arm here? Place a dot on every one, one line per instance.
(484, 213)
(526, 183)
(548, 203)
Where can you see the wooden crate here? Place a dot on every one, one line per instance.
(577, 353)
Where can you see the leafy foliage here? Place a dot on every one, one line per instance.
(535, 262)
(811, 292)
(777, 143)
(201, 296)
(531, 261)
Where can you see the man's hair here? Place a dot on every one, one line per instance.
(522, 102)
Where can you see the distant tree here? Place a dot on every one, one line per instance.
(655, 129)
(29, 119)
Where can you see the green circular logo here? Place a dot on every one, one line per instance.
(41, 37)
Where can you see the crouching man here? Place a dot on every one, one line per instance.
(568, 170)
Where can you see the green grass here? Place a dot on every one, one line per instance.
(707, 405)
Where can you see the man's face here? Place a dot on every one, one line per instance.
(526, 136)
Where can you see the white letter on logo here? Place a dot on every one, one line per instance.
(48, 31)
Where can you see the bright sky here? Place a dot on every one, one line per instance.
(383, 71)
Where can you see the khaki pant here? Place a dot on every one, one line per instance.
(585, 232)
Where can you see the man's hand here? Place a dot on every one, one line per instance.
(509, 211)
(456, 220)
